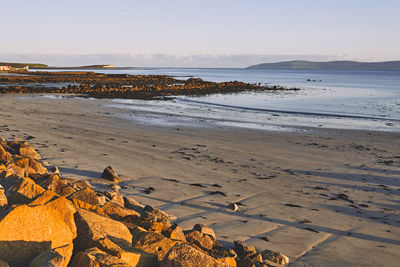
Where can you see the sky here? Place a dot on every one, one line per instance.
(182, 33)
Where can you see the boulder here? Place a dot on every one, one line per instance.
(204, 230)
(244, 250)
(5, 156)
(131, 221)
(110, 174)
(56, 257)
(117, 212)
(132, 204)
(275, 257)
(86, 195)
(3, 198)
(45, 197)
(67, 211)
(50, 182)
(130, 255)
(92, 227)
(156, 215)
(115, 197)
(86, 206)
(177, 233)
(26, 231)
(21, 162)
(24, 191)
(24, 149)
(80, 184)
(201, 240)
(36, 167)
(152, 242)
(94, 257)
(66, 190)
(17, 167)
(184, 255)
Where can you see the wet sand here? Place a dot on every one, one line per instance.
(322, 197)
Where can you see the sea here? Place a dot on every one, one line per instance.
(340, 99)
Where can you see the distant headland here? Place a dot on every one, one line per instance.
(23, 65)
(329, 65)
(6, 65)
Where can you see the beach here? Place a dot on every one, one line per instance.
(323, 197)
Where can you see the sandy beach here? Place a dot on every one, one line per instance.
(323, 197)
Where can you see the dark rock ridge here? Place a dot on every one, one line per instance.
(329, 65)
(99, 85)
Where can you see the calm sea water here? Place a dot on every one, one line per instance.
(342, 94)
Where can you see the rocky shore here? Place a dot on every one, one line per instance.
(47, 219)
(100, 85)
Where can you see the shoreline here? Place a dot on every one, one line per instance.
(270, 171)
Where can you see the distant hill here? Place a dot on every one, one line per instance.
(329, 65)
(21, 65)
(108, 66)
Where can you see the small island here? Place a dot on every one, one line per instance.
(328, 65)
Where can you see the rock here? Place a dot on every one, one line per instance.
(92, 227)
(94, 257)
(243, 250)
(67, 190)
(24, 149)
(36, 167)
(23, 191)
(205, 230)
(4, 264)
(50, 182)
(110, 174)
(205, 242)
(106, 245)
(3, 198)
(256, 257)
(86, 206)
(184, 255)
(157, 215)
(117, 212)
(67, 211)
(132, 204)
(221, 252)
(5, 156)
(275, 257)
(25, 232)
(44, 198)
(233, 206)
(18, 167)
(177, 233)
(152, 242)
(132, 256)
(55, 170)
(115, 197)
(80, 184)
(22, 162)
(115, 187)
(86, 195)
(57, 257)
(227, 260)
(102, 199)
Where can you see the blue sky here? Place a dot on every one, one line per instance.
(198, 33)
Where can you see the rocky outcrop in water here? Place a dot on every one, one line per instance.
(98, 85)
(47, 220)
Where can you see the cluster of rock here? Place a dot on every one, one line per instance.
(121, 86)
(47, 220)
